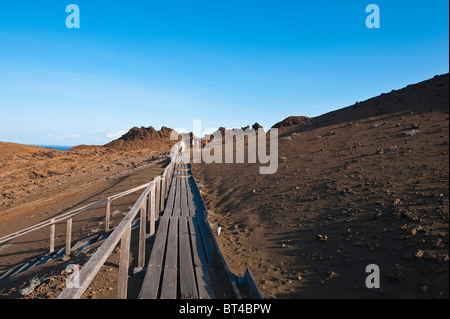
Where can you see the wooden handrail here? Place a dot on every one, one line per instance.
(122, 233)
(88, 272)
(69, 215)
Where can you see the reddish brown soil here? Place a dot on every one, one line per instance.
(65, 181)
(368, 184)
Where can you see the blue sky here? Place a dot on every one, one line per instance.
(226, 63)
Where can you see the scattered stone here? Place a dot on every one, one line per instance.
(412, 132)
(419, 253)
(331, 274)
(321, 237)
(439, 243)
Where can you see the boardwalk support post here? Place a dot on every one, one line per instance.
(52, 235)
(108, 214)
(68, 236)
(122, 284)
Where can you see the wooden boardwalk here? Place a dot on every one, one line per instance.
(184, 261)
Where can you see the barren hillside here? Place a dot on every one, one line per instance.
(367, 184)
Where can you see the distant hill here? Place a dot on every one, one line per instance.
(425, 96)
(12, 148)
(143, 138)
(291, 120)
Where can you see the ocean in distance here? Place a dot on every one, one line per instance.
(56, 147)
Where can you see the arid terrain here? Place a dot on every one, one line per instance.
(366, 184)
(37, 184)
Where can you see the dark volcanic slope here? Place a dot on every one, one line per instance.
(367, 184)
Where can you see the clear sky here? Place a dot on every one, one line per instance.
(226, 63)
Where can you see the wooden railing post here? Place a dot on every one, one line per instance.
(157, 196)
(68, 237)
(163, 193)
(108, 213)
(52, 236)
(142, 235)
(151, 207)
(122, 282)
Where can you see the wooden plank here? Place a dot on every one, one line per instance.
(190, 198)
(169, 284)
(150, 286)
(171, 199)
(206, 239)
(251, 285)
(205, 290)
(209, 240)
(200, 263)
(198, 252)
(122, 281)
(188, 286)
(183, 205)
(177, 204)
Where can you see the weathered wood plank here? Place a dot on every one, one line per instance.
(150, 286)
(169, 284)
(184, 206)
(171, 199)
(177, 204)
(200, 263)
(251, 285)
(206, 239)
(188, 286)
(190, 198)
(198, 252)
(205, 290)
(124, 261)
